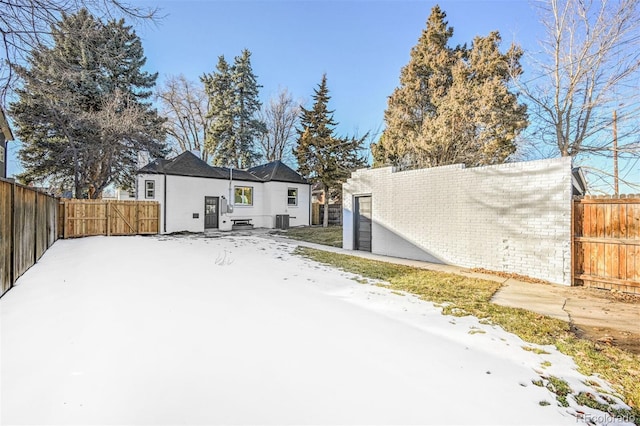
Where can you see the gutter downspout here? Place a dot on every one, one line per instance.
(231, 198)
(310, 207)
(164, 206)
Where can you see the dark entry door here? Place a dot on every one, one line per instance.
(363, 223)
(210, 212)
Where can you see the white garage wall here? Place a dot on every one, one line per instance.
(512, 217)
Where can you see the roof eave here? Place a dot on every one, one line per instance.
(169, 173)
(289, 181)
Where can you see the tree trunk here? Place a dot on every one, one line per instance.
(325, 219)
(76, 176)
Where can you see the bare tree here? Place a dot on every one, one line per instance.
(588, 68)
(116, 120)
(280, 116)
(185, 105)
(26, 24)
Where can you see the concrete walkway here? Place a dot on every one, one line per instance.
(593, 314)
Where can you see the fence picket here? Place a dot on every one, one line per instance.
(110, 217)
(317, 214)
(26, 220)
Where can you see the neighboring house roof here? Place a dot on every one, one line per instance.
(4, 127)
(187, 164)
(579, 181)
(277, 171)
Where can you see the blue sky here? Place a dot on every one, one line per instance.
(360, 44)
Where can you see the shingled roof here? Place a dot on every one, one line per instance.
(277, 171)
(187, 164)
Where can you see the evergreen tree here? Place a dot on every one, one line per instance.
(82, 113)
(219, 139)
(249, 127)
(323, 157)
(453, 105)
(234, 104)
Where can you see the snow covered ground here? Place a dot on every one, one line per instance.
(237, 330)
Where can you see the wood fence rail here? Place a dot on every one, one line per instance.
(606, 243)
(83, 218)
(28, 220)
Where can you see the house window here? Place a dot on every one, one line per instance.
(149, 189)
(243, 195)
(292, 196)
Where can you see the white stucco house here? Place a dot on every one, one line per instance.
(195, 196)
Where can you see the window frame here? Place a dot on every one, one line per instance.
(294, 197)
(243, 187)
(147, 189)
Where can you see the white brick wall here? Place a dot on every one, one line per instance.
(512, 217)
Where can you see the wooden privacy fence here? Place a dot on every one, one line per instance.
(28, 220)
(606, 245)
(83, 218)
(317, 214)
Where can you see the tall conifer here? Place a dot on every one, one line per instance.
(234, 105)
(323, 157)
(249, 127)
(453, 105)
(220, 135)
(83, 113)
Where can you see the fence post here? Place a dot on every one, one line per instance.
(35, 229)
(573, 244)
(60, 207)
(65, 228)
(46, 215)
(56, 222)
(108, 212)
(12, 237)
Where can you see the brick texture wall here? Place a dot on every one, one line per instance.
(512, 217)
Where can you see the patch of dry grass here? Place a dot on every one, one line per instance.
(330, 236)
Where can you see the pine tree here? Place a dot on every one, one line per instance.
(453, 105)
(82, 114)
(249, 127)
(234, 104)
(323, 157)
(421, 81)
(220, 136)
